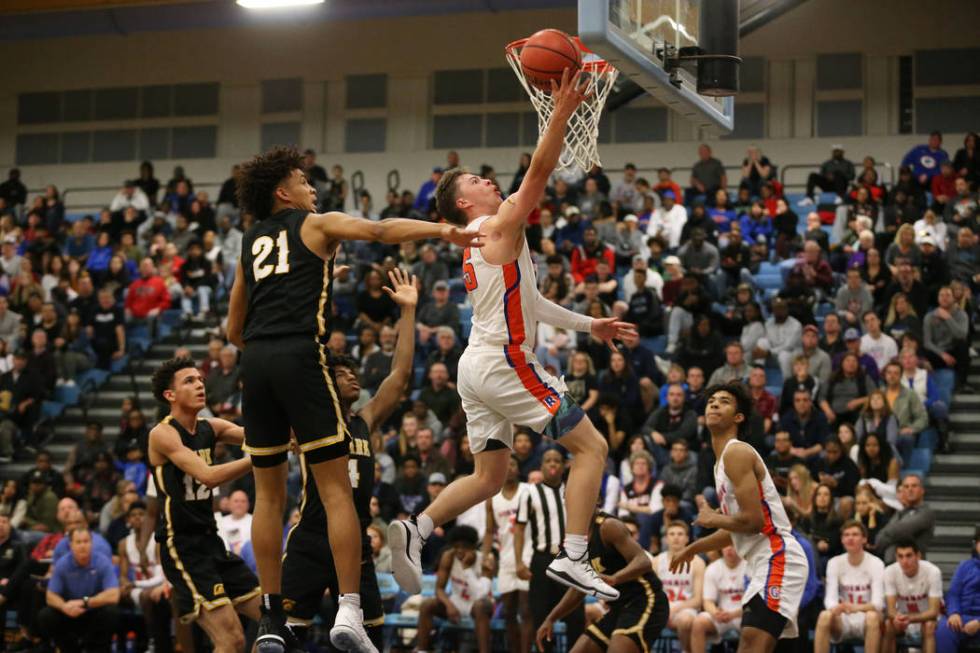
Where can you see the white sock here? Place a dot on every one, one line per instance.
(353, 600)
(425, 525)
(576, 546)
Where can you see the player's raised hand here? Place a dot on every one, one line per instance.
(462, 237)
(681, 562)
(609, 328)
(404, 289)
(570, 93)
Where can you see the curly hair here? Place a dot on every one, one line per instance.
(257, 179)
(163, 378)
(743, 400)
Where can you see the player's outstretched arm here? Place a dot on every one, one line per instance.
(227, 432)
(615, 533)
(739, 466)
(405, 294)
(714, 542)
(340, 226)
(236, 309)
(568, 95)
(605, 329)
(165, 442)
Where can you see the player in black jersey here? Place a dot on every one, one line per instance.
(307, 567)
(210, 583)
(635, 619)
(279, 314)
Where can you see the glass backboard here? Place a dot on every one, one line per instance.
(637, 36)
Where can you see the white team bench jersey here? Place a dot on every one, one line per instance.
(503, 297)
(725, 585)
(912, 594)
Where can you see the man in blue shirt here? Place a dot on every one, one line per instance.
(82, 596)
(925, 160)
(961, 625)
(100, 546)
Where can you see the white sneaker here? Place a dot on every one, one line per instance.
(579, 574)
(70, 383)
(838, 201)
(348, 632)
(405, 543)
(806, 201)
(59, 383)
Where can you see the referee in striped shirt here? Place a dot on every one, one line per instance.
(541, 516)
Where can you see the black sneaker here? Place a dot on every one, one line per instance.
(270, 639)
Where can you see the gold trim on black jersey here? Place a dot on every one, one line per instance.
(641, 624)
(302, 505)
(321, 334)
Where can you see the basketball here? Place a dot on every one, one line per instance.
(546, 55)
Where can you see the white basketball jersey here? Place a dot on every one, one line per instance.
(860, 585)
(775, 522)
(504, 517)
(468, 584)
(725, 585)
(912, 594)
(502, 296)
(677, 586)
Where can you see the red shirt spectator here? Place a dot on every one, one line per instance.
(943, 186)
(148, 296)
(585, 257)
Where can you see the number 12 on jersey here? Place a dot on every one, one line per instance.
(262, 248)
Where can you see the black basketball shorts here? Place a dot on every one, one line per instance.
(308, 571)
(640, 616)
(286, 384)
(204, 574)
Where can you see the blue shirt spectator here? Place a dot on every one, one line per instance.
(755, 226)
(812, 582)
(962, 601)
(79, 245)
(925, 160)
(70, 581)
(427, 191)
(100, 546)
(99, 257)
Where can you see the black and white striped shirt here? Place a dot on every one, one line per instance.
(544, 509)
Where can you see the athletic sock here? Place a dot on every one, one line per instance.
(272, 605)
(575, 546)
(352, 599)
(425, 525)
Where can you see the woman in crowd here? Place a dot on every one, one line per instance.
(879, 467)
(904, 246)
(847, 391)
(12, 504)
(902, 318)
(800, 491)
(876, 417)
(73, 353)
(877, 275)
(581, 381)
(620, 381)
(869, 510)
(823, 526)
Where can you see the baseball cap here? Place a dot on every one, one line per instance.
(437, 169)
(440, 285)
(668, 193)
(927, 240)
(10, 240)
(438, 478)
(672, 260)
(743, 286)
(37, 476)
(852, 334)
(631, 218)
(811, 327)
(837, 146)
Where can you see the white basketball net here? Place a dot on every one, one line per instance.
(581, 137)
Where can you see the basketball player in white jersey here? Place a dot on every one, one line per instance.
(683, 587)
(501, 383)
(501, 515)
(724, 584)
(854, 595)
(913, 596)
(752, 519)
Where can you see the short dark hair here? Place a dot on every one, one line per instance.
(671, 490)
(854, 523)
(163, 378)
(136, 505)
(555, 259)
(743, 401)
(258, 177)
(907, 544)
(446, 195)
(463, 535)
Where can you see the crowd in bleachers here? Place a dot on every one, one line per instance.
(848, 313)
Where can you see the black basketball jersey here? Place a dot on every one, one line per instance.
(288, 287)
(187, 504)
(361, 469)
(608, 560)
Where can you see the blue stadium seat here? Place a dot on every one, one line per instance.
(928, 439)
(52, 409)
(93, 378)
(67, 394)
(827, 198)
(119, 365)
(774, 378)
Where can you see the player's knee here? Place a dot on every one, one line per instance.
(428, 606)
(482, 609)
(701, 624)
(823, 621)
(872, 619)
(929, 628)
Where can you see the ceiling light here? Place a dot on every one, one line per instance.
(277, 4)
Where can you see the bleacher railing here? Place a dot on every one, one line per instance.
(883, 167)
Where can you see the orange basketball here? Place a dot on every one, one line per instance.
(546, 54)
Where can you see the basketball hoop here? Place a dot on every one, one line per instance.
(582, 136)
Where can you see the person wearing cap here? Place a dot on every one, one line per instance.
(665, 183)
(42, 505)
(852, 345)
(933, 269)
(21, 393)
(961, 623)
(819, 364)
(782, 339)
(437, 312)
(668, 221)
(630, 241)
(836, 174)
(930, 225)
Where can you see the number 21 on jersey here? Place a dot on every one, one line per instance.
(262, 248)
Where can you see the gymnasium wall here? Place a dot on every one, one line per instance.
(829, 71)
